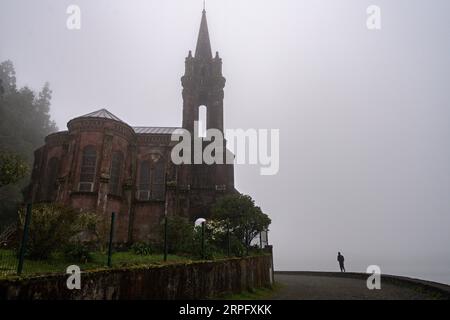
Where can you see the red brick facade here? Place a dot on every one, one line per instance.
(104, 165)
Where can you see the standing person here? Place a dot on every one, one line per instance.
(340, 259)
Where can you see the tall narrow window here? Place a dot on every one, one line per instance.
(116, 172)
(52, 175)
(144, 181)
(88, 163)
(158, 180)
(202, 121)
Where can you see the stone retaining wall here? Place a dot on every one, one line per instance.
(198, 280)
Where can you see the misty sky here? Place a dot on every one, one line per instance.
(364, 116)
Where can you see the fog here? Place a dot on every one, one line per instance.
(364, 115)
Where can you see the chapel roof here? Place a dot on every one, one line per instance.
(105, 114)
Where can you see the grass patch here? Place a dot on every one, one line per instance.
(128, 258)
(57, 263)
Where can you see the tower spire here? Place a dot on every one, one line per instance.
(203, 83)
(203, 49)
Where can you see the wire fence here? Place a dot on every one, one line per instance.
(8, 262)
(27, 250)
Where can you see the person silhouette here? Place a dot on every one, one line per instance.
(340, 259)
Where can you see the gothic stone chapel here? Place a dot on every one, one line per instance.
(105, 165)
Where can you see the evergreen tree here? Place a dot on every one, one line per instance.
(243, 217)
(24, 122)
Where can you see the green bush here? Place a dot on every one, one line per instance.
(143, 249)
(211, 250)
(77, 252)
(241, 216)
(216, 235)
(179, 235)
(12, 168)
(53, 227)
(237, 248)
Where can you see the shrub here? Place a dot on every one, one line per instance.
(143, 249)
(211, 250)
(179, 234)
(53, 227)
(12, 168)
(77, 252)
(242, 216)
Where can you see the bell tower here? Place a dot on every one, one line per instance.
(203, 83)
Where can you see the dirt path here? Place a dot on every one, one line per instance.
(316, 287)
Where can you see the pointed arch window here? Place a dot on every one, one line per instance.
(158, 180)
(116, 172)
(152, 180)
(144, 181)
(88, 168)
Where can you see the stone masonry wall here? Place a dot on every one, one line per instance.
(197, 280)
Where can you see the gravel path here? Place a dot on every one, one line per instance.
(316, 287)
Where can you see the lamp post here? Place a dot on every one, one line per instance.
(203, 240)
(201, 222)
(165, 238)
